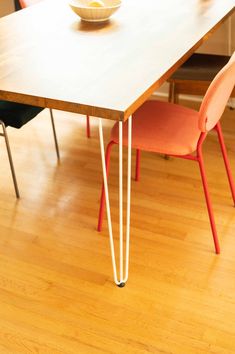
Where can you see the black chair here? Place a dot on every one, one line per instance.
(16, 115)
(195, 75)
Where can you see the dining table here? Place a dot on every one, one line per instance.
(51, 58)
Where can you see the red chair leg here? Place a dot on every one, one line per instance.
(226, 160)
(208, 203)
(88, 130)
(137, 165)
(102, 198)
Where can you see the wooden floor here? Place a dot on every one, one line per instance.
(56, 288)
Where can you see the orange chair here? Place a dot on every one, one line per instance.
(178, 131)
(27, 3)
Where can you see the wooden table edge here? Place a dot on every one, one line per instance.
(101, 112)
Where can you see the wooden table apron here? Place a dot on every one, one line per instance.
(49, 58)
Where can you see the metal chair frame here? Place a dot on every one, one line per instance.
(5, 136)
(198, 157)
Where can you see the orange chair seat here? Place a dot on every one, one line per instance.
(162, 127)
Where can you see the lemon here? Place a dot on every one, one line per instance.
(96, 3)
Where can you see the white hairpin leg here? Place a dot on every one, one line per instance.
(230, 50)
(124, 264)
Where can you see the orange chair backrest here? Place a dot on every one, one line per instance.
(217, 96)
(27, 3)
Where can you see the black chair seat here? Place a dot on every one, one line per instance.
(200, 67)
(17, 114)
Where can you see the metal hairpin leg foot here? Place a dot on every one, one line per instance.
(121, 280)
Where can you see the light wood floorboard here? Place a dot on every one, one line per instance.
(56, 289)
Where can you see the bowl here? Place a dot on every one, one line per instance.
(94, 14)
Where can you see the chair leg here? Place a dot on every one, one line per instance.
(4, 134)
(171, 99)
(88, 129)
(137, 166)
(175, 94)
(208, 203)
(226, 160)
(176, 98)
(54, 134)
(102, 198)
(231, 103)
(171, 91)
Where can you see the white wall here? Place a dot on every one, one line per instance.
(218, 43)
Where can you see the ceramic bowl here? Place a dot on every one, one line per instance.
(94, 14)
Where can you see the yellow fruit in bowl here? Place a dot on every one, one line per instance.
(96, 3)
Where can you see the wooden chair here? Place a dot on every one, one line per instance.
(178, 131)
(16, 115)
(195, 75)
